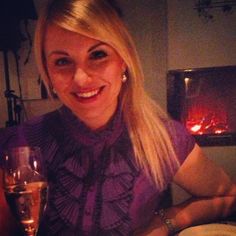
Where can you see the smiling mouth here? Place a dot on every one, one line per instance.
(89, 94)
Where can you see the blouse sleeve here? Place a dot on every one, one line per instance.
(182, 140)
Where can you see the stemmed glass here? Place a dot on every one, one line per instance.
(25, 186)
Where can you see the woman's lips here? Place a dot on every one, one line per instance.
(88, 94)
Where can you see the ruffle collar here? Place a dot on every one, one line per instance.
(84, 135)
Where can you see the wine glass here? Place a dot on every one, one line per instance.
(25, 186)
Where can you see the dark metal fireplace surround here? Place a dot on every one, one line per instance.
(204, 100)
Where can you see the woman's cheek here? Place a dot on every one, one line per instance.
(62, 76)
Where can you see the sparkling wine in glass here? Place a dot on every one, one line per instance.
(25, 186)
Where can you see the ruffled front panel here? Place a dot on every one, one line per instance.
(105, 160)
(116, 181)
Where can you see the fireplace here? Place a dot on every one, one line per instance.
(204, 100)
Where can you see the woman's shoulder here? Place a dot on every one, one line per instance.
(22, 134)
(32, 123)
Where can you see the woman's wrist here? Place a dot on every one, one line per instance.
(168, 223)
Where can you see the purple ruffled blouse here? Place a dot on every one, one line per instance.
(95, 186)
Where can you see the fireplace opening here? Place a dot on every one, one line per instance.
(204, 100)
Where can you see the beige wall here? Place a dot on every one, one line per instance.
(147, 23)
(193, 42)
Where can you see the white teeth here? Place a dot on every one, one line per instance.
(88, 94)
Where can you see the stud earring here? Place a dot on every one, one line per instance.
(54, 91)
(124, 78)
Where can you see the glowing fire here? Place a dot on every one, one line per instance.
(209, 123)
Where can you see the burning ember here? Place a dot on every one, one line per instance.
(207, 124)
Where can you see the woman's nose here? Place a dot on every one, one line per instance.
(81, 77)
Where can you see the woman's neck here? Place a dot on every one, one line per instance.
(100, 121)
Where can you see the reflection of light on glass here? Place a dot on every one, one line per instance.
(186, 82)
(6, 157)
(18, 174)
(25, 182)
(188, 70)
(35, 165)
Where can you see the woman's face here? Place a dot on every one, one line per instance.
(86, 74)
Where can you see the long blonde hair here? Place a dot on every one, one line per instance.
(98, 19)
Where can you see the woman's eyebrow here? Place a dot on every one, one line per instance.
(58, 52)
(65, 53)
(96, 45)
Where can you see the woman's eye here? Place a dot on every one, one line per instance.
(98, 54)
(62, 62)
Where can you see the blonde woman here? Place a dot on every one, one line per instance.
(110, 151)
